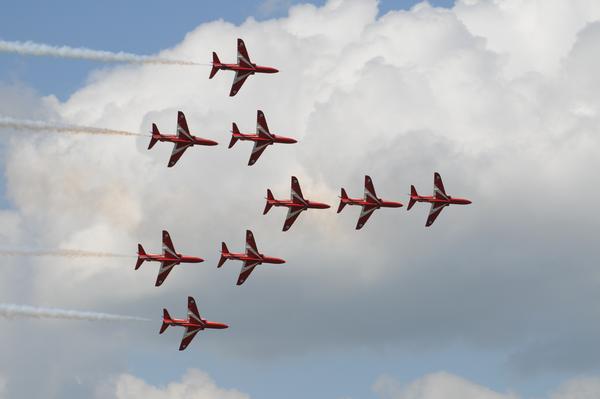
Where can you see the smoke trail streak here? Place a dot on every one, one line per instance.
(39, 126)
(12, 311)
(65, 253)
(39, 49)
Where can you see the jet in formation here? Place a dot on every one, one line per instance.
(168, 259)
(296, 204)
(369, 203)
(439, 200)
(192, 324)
(251, 257)
(182, 140)
(262, 139)
(243, 68)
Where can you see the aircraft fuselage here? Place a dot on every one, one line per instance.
(187, 323)
(298, 205)
(175, 139)
(179, 259)
(237, 67)
(263, 139)
(379, 204)
(434, 200)
(251, 258)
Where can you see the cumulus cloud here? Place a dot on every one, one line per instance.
(444, 385)
(511, 124)
(195, 384)
(435, 386)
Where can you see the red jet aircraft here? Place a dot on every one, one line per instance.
(243, 68)
(295, 205)
(369, 203)
(193, 324)
(182, 140)
(262, 139)
(169, 258)
(438, 201)
(251, 257)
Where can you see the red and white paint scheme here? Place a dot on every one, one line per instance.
(439, 200)
(192, 324)
(251, 257)
(369, 203)
(262, 139)
(295, 205)
(168, 260)
(243, 68)
(182, 140)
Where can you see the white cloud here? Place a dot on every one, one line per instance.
(435, 386)
(444, 385)
(195, 384)
(510, 124)
(578, 388)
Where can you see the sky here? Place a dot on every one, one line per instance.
(497, 300)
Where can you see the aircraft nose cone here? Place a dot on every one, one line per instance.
(275, 70)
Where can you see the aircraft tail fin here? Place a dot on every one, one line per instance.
(154, 139)
(234, 131)
(269, 204)
(166, 317)
(343, 197)
(413, 197)
(140, 260)
(215, 68)
(224, 252)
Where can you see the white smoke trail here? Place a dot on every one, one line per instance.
(39, 126)
(13, 311)
(39, 49)
(65, 253)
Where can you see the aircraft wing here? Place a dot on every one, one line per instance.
(178, 151)
(257, 151)
(291, 217)
(242, 55)
(167, 245)
(188, 336)
(251, 248)
(262, 129)
(434, 212)
(438, 187)
(193, 314)
(370, 193)
(163, 272)
(246, 270)
(238, 80)
(182, 127)
(365, 214)
(296, 194)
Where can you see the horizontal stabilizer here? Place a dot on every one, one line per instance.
(165, 325)
(140, 260)
(234, 131)
(269, 205)
(343, 197)
(155, 134)
(224, 251)
(413, 197)
(215, 68)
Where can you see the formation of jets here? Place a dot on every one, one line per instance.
(183, 139)
(296, 204)
(252, 257)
